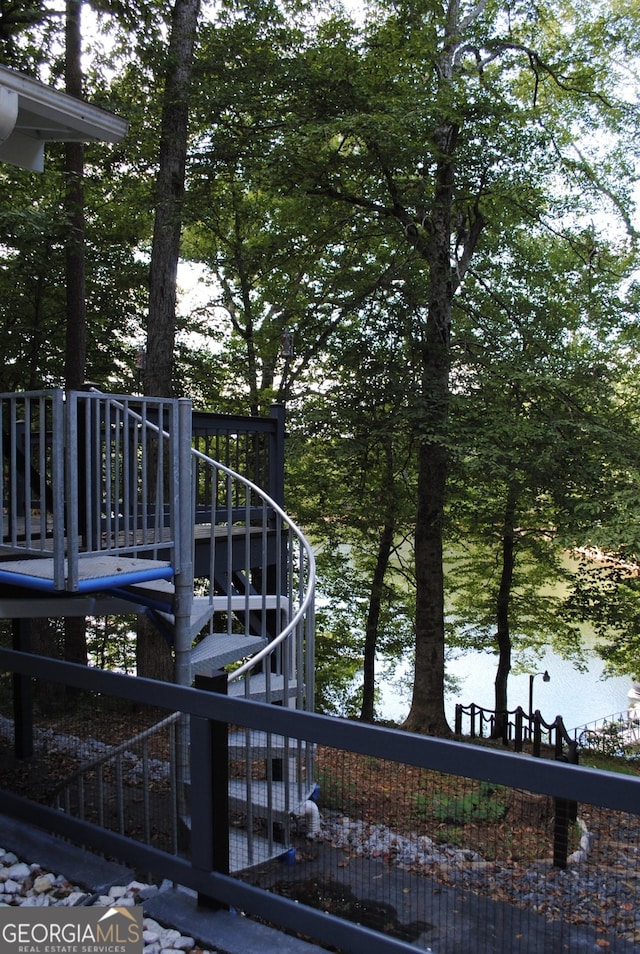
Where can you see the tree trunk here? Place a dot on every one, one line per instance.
(503, 633)
(75, 648)
(76, 333)
(169, 200)
(427, 706)
(154, 657)
(75, 640)
(385, 544)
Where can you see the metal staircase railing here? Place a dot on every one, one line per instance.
(115, 514)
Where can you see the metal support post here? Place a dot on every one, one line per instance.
(210, 782)
(22, 694)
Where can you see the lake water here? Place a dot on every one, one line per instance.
(578, 697)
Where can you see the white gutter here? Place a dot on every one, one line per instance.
(47, 115)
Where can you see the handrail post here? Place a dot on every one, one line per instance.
(558, 725)
(458, 720)
(183, 521)
(537, 733)
(561, 827)
(276, 455)
(71, 489)
(210, 783)
(517, 742)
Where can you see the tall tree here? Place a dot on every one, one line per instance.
(444, 123)
(537, 426)
(153, 655)
(76, 333)
(169, 199)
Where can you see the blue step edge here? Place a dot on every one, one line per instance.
(94, 585)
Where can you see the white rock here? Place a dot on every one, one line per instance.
(168, 936)
(184, 943)
(11, 887)
(37, 901)
(117, 891)
(74, 898)
(147, 891)
(19, 872)
(136, 886)
(43, 883)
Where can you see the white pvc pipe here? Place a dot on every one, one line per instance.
(312, 817)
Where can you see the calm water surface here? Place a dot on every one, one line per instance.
(578, 697)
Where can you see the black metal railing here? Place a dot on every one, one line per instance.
(516, 728)
(455, 816)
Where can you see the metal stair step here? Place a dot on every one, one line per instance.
(162, 592)
(243, 856)
(262, 745)
(276, 800)
(257, 688)
(217, 650)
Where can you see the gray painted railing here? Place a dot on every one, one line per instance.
(128, 485)
(88, 476)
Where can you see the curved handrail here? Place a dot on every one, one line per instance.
(305, 608)
(306, 603)
(614, 734)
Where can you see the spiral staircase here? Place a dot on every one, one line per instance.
(112, 506)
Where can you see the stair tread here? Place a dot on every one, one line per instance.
(259, 739)
(216, 650)
(237, 601)
(241, 858)
(102, 571)
(284, 798)
(258, 687)
(159, 594)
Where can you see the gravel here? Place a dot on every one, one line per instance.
(30, 885)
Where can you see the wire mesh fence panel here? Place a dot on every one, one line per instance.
(426, 856)
(449, 863)
(100, 759)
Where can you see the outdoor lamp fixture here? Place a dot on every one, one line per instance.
(545, 678)
(286, 345)
(140, 365)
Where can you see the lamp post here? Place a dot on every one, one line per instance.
(545, 678)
